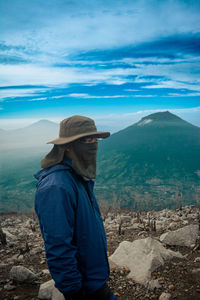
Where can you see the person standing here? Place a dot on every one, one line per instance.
(68, 213)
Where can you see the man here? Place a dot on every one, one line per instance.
(68, 213)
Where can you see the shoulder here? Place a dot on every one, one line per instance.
(59, 178)
(56, 190)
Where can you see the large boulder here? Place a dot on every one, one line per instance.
(142, 256)
(185, 236)
(22, 274)
(49, 291)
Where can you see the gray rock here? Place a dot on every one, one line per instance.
(22, 274)
(45, 272)
(172, 226)
(197, 259)
(142, 257)
(126, 219)
(48, 291)
(185, 222)
(154, 284)
(35, 251)
(165, 296)
(136, 226)
(196, 274)
(112, 227)
(9, 287)
(3, 266)
(108, 221)
(185, 236)
(57, 295)
(9, 236)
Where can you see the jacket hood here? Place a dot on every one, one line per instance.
(45, 172)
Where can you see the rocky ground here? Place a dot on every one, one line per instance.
(175, 278)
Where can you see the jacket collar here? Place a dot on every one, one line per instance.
(65, 165)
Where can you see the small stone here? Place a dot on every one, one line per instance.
(196, 274)
(35, 251)
(3, 266)
(9, 236)
(9, 287)
(20, 258)
(165, 296)
(154, 284)
(197, 259)
(42, 262)
(45, 272)
(126, 268)
(171, 287)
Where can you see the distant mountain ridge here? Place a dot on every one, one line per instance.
(147, 165)
(34, 135)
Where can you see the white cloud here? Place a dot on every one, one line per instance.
(55, 76)
(87, 96)
(62, 26)
(143, 96)
(183, 95)
(131, 90)
(38, 99)
(60, 77)
(34, 75)
(19, 92)
(174, 85)
(76, 95)
(58, 97)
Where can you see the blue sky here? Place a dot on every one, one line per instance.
(115, 60)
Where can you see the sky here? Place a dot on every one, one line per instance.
(115, 61)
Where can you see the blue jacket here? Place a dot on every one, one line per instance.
(72, 229)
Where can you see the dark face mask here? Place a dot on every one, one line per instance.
(83, 158)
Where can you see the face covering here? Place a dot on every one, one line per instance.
(83, 158)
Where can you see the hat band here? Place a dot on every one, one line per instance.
(77, 131)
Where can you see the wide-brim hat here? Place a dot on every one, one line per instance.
(76, 127)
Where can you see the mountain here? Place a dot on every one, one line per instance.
(35, 135)
(159, 151)
(153, 131)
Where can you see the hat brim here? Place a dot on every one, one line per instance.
(66, 140)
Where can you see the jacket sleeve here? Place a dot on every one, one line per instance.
(55, 207)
